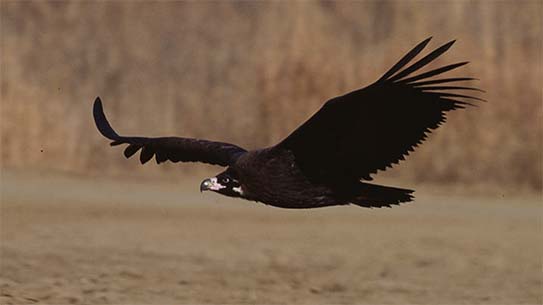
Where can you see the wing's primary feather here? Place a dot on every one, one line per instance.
(433, 72)
(442, 81)
(101, 122)
(406, 59)
(355, 135)
(429, 88)
(422, 62)
(174, 149)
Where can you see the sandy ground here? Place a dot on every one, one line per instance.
(81, 241)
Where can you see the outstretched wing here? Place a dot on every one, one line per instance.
(355, 135)
(168, 148)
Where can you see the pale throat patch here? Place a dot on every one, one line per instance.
(238, 190)
(215, 186)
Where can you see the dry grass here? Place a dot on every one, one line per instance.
(251, 72)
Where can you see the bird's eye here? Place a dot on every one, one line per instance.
(225, 180)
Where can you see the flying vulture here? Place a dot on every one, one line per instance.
(326, 161)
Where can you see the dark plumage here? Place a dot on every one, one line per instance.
(325, 160)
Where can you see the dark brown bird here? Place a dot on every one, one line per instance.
(325, 161)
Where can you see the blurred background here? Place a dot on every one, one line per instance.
(249, 73)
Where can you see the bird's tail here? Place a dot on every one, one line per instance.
(373, 195)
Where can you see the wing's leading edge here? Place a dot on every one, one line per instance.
(174, 149)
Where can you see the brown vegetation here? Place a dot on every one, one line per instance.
(251, 72)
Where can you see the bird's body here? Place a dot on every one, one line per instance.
(262, 172)
(325, 161)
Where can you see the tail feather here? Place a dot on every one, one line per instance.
(373, 195)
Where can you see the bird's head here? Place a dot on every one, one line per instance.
(225, 183)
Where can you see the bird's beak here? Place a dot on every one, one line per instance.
(211, 184)
(205, 186)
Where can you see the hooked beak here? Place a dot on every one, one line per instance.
(205, 185)
(210, 185)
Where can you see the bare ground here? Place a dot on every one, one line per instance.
(68, 240)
